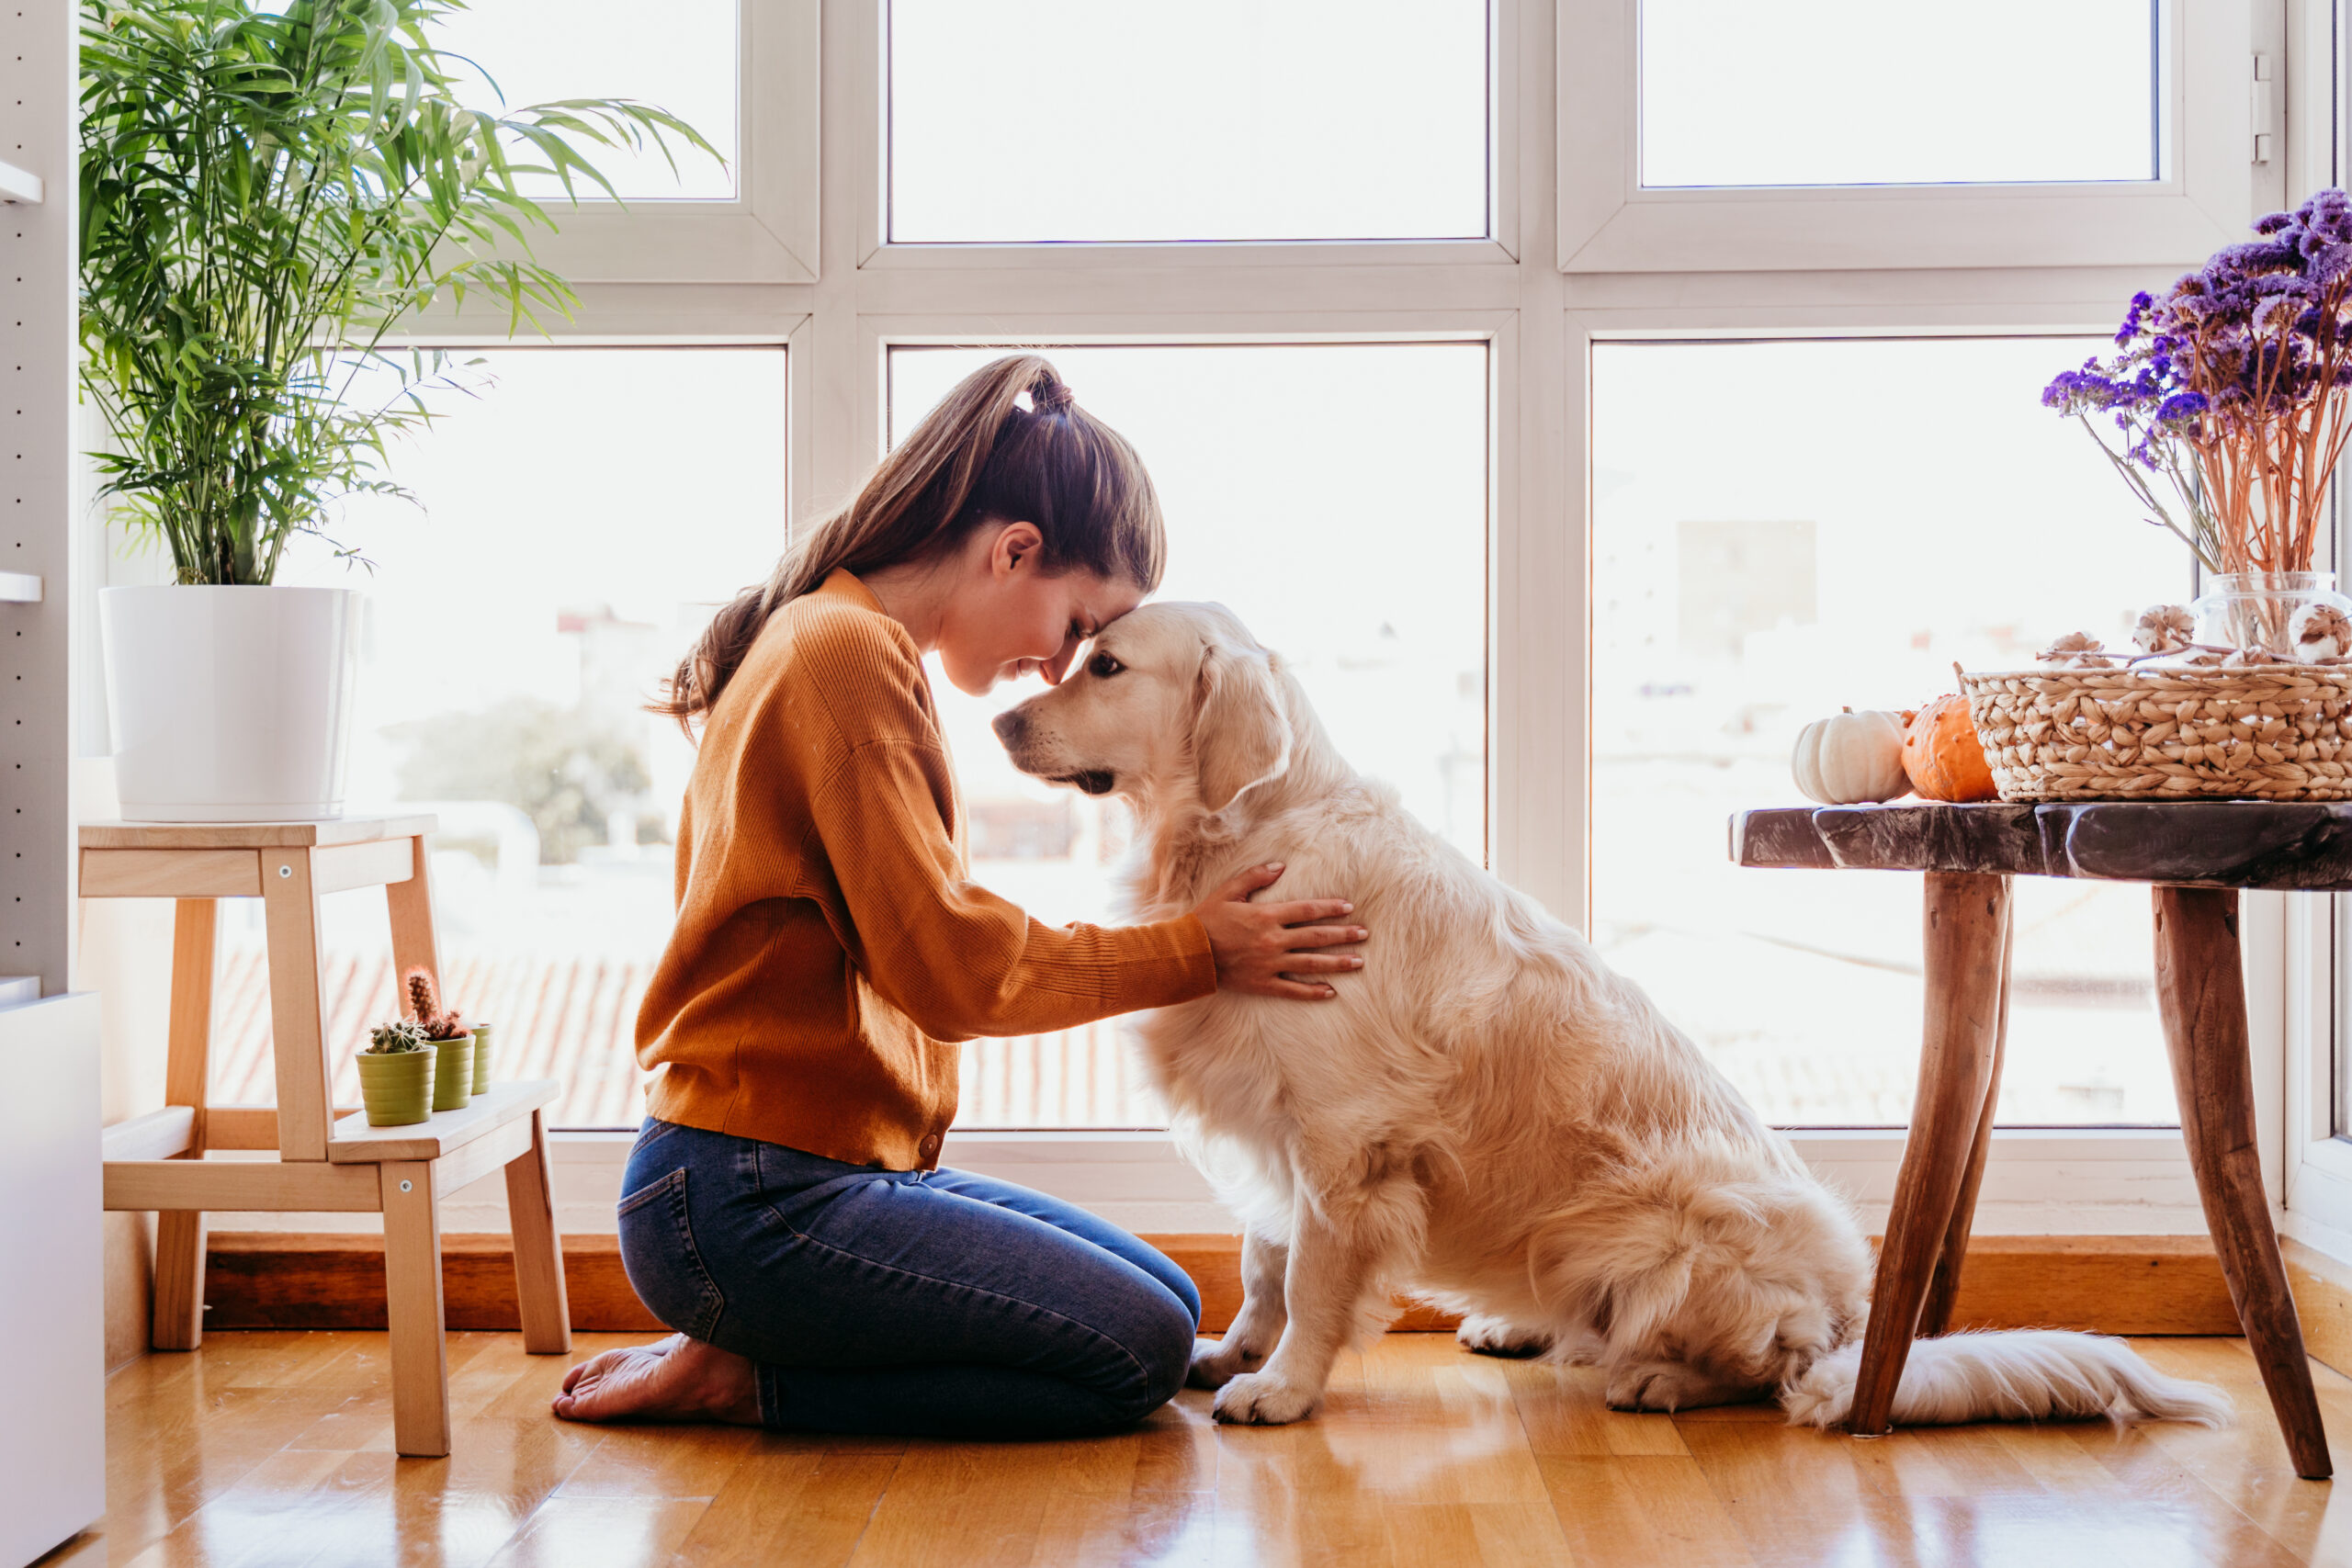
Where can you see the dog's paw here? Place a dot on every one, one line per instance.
(1216, 1362)
(1258, 1399)
(1647, 1385)
(1670, 1386)
(1496, 1336)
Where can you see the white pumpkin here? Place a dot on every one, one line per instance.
(1852, 758)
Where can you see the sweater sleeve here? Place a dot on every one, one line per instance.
(956, 958)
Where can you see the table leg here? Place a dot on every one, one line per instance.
(2201, 991)
(1966, 931)
(298, 1024)
(412, 1309)
(538, 1251)
(179, 1233)
(1936, 1316)
(410, 904)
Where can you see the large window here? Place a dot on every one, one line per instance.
(1229, 120)
(1334, 497)
(1828, 136)
(1580, 393)
(580, 513)
(1864, 516)
(1861, 92)
(687, 60)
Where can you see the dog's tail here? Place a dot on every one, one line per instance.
(2022, 1375)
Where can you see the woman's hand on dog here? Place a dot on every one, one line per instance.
(1269, 950)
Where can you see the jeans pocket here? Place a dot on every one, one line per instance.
(652, 1133)
(652, 1191)
(663, 1265)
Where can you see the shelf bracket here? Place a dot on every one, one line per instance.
(20, 185)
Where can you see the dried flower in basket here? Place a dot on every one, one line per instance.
(2233, 393)
(2076, 650)
(2319, 632)
(436, 1024)
(2163, 628)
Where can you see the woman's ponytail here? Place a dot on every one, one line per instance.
(977, 458)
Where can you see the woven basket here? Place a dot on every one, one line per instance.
(2261, 732)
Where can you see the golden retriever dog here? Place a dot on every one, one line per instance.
(1487, 1117)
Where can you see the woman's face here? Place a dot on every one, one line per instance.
(1008, 619)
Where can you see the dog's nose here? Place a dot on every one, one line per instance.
(1009, 724)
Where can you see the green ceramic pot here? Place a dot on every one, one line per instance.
(396, 1088)
(481, 1057)
(453, 1077)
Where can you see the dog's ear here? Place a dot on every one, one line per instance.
(1241, 737)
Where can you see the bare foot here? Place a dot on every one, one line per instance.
(677, 1379)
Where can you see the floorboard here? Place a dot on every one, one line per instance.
(274, 1450)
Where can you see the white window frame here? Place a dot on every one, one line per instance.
(1609, 223)
(868, 30)
(2305, 1157)
(767, 234)
(2309, 1167)
(1534, 299)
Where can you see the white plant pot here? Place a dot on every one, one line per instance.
(229, 705)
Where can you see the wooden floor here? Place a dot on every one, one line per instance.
(275, 1449)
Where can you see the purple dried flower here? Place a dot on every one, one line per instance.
(2235, 379)
(2180, 406)
(2142, 303)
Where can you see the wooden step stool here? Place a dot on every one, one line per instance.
(324, 1165)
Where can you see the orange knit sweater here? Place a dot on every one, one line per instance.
(829, 947)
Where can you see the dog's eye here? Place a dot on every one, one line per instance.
(1102, 667)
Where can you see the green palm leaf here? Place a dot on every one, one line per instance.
(264, 194)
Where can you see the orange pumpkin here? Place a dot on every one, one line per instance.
(1942, 755)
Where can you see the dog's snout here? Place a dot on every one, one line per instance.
(1009, 725)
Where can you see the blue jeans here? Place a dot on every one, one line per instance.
(918, 1304)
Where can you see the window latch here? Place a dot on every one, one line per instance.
(2264, 104)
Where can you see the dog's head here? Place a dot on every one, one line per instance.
(1170, 697)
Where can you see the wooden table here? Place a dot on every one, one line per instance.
(2198, 854)
(327, 1157)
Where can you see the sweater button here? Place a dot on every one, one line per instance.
(930, 1146)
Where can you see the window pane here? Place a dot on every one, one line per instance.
(1335, 499)
(1861, 92)
(564, 558)
(685, 61)
(1833, 547)
(1223, 120)
(2340, 952)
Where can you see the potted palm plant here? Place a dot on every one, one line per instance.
(265, 192)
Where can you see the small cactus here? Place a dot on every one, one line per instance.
(434, 1023)
(391, 1039)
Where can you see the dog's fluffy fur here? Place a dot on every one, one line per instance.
(1487, 1117)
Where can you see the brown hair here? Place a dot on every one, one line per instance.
(979, 457)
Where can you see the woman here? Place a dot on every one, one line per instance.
(784, 1210)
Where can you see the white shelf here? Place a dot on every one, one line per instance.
(53, 1291)
(20, 185)
(19, 588)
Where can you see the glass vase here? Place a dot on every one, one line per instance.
(2250, 610)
